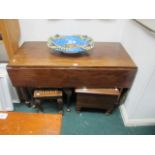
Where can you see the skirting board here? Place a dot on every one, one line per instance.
(16, 101)
(7, 109)
(134, 122)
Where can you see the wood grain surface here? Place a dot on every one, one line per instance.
(108, 65)
(47, 93)
(10, 33)
(19, 123)
(72, 77)
(104, 54)
(99, 91)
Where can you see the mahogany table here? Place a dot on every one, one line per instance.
(107, 65)
(22, 123)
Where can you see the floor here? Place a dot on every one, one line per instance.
(91, 122)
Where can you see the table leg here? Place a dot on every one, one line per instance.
(60, 105)
(24, 95)
(68, 93)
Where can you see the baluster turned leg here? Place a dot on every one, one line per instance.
(24, 95)
(60, 105)
(68, 93)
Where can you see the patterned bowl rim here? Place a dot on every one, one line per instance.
(61, 48)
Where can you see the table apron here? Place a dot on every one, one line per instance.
(71, 77)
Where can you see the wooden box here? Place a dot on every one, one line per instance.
(105, 99)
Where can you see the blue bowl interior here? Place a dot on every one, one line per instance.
(70, 40)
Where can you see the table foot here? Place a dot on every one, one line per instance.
(68, 110)
(27, 103)
(68, 93)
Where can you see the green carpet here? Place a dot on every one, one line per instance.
(90, 123)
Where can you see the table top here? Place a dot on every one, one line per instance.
(20, 123)
(104, 54)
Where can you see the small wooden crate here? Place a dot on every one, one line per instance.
(105, 99)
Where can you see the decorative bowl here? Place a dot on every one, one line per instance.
(70, 44)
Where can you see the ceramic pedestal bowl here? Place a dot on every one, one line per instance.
(70, 44)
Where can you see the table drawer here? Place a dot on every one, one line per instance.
(71, 77)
